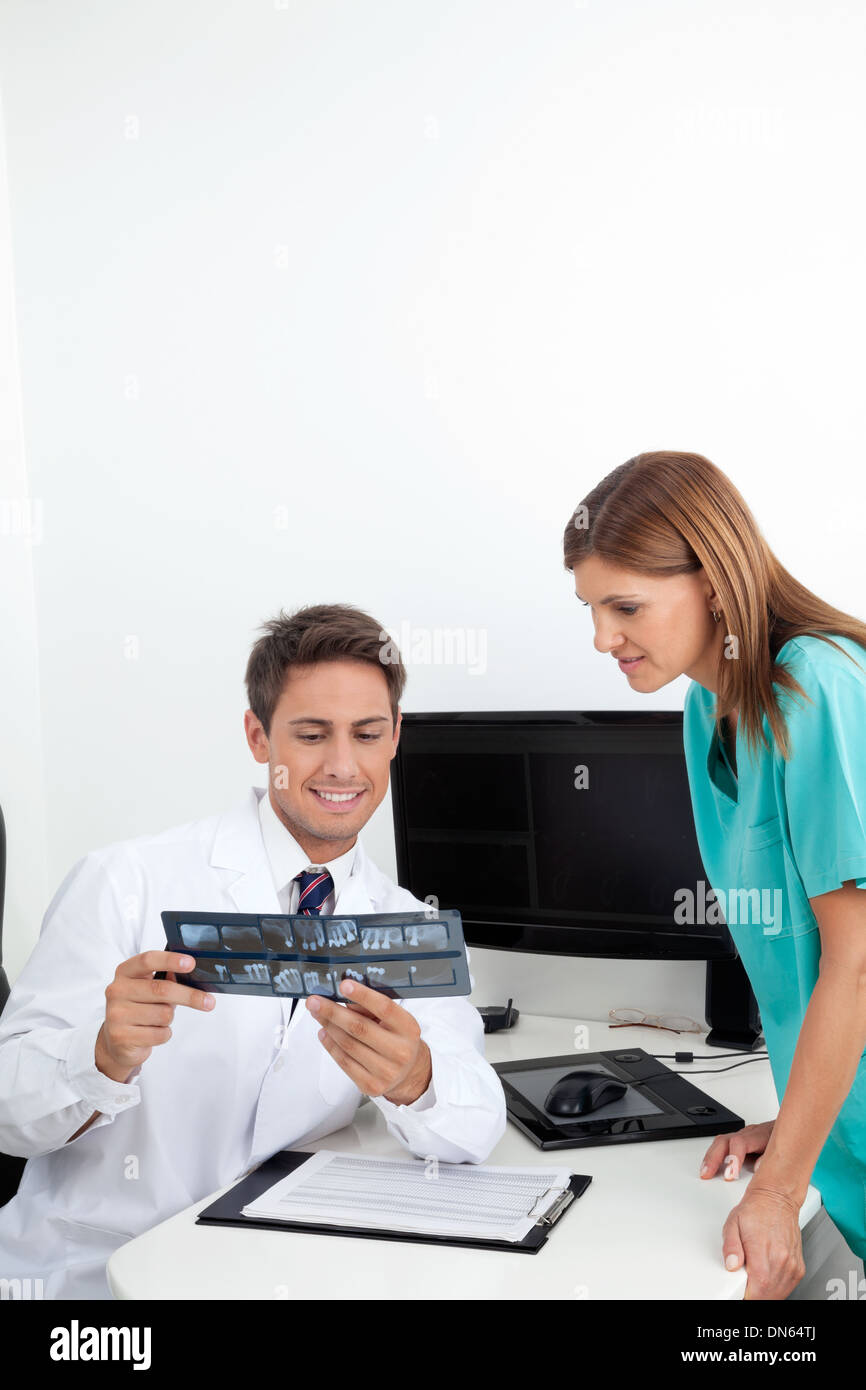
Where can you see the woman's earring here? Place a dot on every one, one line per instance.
(717, 616)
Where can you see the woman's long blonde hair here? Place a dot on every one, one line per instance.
(667, 513)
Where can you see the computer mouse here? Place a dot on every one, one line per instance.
(579, 1092)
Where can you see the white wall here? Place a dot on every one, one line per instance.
(22, 781)
(410, 278)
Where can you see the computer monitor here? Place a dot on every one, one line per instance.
(567, 833)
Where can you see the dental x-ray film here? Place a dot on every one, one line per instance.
(409, 955)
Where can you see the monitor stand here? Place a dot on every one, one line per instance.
(731, 1007)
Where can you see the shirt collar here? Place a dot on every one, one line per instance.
(286, 857)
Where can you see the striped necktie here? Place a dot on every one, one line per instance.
(314, 886)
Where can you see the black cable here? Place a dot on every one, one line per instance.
(702, 1071)
(708, 1056)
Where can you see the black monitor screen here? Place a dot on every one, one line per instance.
(558, 832)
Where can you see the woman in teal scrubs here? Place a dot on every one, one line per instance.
(680, 581)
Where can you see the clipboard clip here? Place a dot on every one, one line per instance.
(550, 1215)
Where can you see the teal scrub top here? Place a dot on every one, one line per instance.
(775, 835)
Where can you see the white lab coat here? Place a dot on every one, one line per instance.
(222, 1094)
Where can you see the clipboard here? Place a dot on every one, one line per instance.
(226, 1211)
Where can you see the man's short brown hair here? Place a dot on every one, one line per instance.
(322, 632)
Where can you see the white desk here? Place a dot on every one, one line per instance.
(647, 1227)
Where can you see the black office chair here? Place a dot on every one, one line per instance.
(11, 1167)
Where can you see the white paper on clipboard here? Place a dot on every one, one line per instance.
(421, 1196)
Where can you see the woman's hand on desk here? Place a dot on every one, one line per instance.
(732, 1150)
(763, 1230)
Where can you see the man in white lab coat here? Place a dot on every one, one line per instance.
(133, 1100)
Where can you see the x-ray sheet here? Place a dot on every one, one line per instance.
(405, 955)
